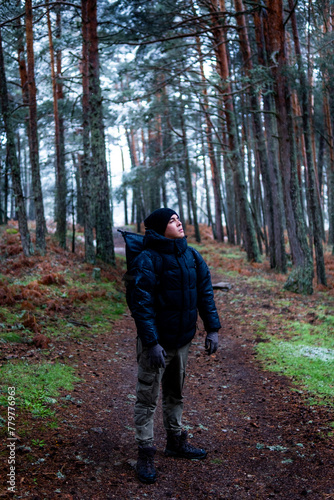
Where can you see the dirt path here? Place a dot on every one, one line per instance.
(263, 441)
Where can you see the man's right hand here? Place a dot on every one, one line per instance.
(156, 356)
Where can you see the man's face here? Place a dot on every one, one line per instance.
(174, 228)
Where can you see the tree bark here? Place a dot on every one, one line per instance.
(192, 199)
(104, 236)
(261, 150)
(328, 90)
(59, 136)
(207, 192)
(215, 177)
(86, 168)
(77, 167)
(300, 279)
(13, 161)
(25, 98)
(125, 195)
(313, 187)
(248, 228)
(272, 149)
(137, 215)
(34, 148)
(330, 169)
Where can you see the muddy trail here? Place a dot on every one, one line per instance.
(263, 440)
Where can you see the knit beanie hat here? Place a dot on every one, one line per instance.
(159, 219)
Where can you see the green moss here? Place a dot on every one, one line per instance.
(36, 384)
(300, 280)
(306, 356)
(11, 337)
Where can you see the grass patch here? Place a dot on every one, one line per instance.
(101, 313)
(262, 281)
(36, 386)
(11, 337)
(261, 328)
(9, 326)
(307, 356)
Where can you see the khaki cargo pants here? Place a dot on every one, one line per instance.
(148, 387)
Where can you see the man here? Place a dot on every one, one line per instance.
(171, 282)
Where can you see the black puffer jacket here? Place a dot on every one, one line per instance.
(172, 282)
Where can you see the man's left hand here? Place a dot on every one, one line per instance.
(211, 342)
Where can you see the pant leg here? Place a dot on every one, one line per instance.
(172, 389)
(147, 389)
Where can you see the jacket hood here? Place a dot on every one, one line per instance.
(157, 242)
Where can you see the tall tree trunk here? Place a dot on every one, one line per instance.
(59, 140)
(169, 149)
(25, 97)
(313, 187)
(153, 153)
(136, 195)
(248, 228)
(192, 199)
(261, 148)
(77, 167)
(300, 279)
(104, 236)
(207, 192)
(86, 167)
(328, 90)
(125, 195)
(253, 181)
(330, 169)
(60, 100)
(216, 181)
(321, 150)
(34, 151)
(272, 149)
(6, 189)
(12, 159)
(2, 218)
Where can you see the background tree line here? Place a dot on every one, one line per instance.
(227, 107)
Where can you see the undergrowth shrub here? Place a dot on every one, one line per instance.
(52, 279)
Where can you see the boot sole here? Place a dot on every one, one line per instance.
(147, 481)
(174, 454)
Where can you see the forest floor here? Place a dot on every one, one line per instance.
(264, 438)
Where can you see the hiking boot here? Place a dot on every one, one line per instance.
(178, 446)
(145, 465)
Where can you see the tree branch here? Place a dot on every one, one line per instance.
(69, 4)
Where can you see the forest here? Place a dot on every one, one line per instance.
(225, 110)
(222, 110)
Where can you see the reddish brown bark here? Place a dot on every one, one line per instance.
(301, 279)
(274, 220)
(60, 166)
(271, 140)
(62, 169)
(138, 212)
(12, 159)
(315, 214)
(34, 148)
(329, 120)
(247, 222)
(25, 97)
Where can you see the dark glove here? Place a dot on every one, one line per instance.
(211, 342)
(156, 355)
